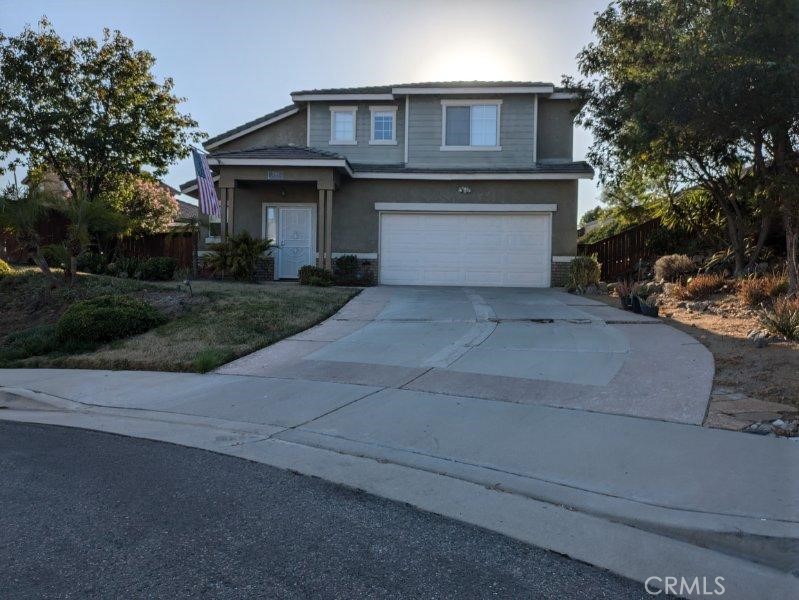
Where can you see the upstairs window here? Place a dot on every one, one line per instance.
(470, 125)
(384, 125)
(342, 125)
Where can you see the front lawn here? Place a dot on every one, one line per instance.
(220, 321)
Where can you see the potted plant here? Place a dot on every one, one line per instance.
(649, 308)
(624, 290)
(638, 295)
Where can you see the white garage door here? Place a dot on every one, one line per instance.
(480, 249)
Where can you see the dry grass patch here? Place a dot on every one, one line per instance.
(700, 287)
(220, 321)
(754, 291)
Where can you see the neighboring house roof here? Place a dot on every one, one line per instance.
(276, 115)
(187, 211)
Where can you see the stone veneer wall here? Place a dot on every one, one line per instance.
(265, 269)
(560, 273)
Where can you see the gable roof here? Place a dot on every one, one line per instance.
(267, 119)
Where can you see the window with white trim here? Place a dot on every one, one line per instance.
(342, 124)
(470, 125)
(384, 125)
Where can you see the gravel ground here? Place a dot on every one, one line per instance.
(86, 514)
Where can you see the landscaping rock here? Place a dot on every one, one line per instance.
(697, 306)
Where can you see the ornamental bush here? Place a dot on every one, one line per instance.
(583, 271)
(158, 268)
(106, 318)
(316, 276)
(673, 267)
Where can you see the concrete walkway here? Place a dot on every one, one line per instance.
(537, 414)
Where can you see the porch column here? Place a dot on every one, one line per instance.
(328, 229)
(223, 216)
(320, 230)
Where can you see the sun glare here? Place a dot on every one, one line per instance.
(470, 63)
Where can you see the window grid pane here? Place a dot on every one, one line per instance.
(457, 125)
(343, 126)
(483, 125)
(384, 126)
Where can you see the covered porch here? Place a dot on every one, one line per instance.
(286, 198)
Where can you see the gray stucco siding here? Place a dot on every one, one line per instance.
(556, 129)
(356, 222)
(287, 131)
(363, 151)
(515, 135)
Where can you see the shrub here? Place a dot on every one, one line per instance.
(316, 276)
(237, 256)
(583, 271)
(91, 262)
(673, 267)
(753, 291)
(5, 268)
(34, 341)
(106, 318)
(127, 266)
(700, 287)
(782, 318)
(158, 268)
(55, 255)
(345, 270)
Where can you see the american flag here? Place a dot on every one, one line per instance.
(209, 203)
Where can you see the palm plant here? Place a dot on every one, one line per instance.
(21, 213)
(238, 255)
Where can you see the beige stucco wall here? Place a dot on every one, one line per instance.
(355, 220)
(249, 200)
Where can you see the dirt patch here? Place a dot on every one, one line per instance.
(171, 303)
(753, 386)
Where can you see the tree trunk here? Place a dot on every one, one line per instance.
(736, 238)
(765, 226)
(791, 247)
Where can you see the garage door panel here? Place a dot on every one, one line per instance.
(465, 249)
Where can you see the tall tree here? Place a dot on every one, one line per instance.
(91, 111)
(699, 89)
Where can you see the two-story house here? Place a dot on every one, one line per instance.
(455, 183)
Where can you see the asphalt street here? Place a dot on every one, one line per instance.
(87, 514)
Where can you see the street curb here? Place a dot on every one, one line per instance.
(619, 547)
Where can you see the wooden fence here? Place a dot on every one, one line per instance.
(179, 245)
(620, 254)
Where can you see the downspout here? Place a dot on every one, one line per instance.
(535, 129)
(407, 115)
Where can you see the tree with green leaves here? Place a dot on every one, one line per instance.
(90, 111)
(705, 93)
(21, 214)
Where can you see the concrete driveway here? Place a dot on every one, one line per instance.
(529, 346)
(545, 416)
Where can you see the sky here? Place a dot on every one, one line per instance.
(236, 60)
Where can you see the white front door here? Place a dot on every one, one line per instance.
(295, 239)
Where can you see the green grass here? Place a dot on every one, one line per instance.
(220, 322)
